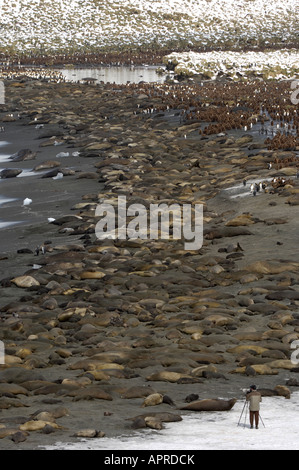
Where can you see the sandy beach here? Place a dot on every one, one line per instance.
(93, 327)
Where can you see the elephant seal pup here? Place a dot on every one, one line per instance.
(153, 399)
(210, 404)
(191, 397)
(153, 423)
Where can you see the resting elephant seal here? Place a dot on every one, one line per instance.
(23, 155)
(10, 173)
(210, 404)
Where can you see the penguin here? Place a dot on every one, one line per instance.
(42, 249)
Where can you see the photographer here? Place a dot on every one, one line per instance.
(254, 399)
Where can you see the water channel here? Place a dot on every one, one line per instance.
(118, 75)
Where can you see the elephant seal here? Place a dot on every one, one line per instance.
(153, 423)
(19, 436)
(168, 400)
(23, 155)
(89, 433)
(10, 173)
(191, 397)
(49, 164)
(37, 425)
(210, 404)
(138, 392)
(153, 399)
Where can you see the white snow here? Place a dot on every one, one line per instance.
(42, 25)
(272, 64)
(278, 430)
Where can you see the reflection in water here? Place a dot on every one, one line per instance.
(3, 143)
(118, 75)
(4, 200)
(8, 224)
(4, 157)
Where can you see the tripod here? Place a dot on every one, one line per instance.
(261, 420)
(245, 407)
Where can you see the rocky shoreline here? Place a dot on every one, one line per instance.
(99, 326)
